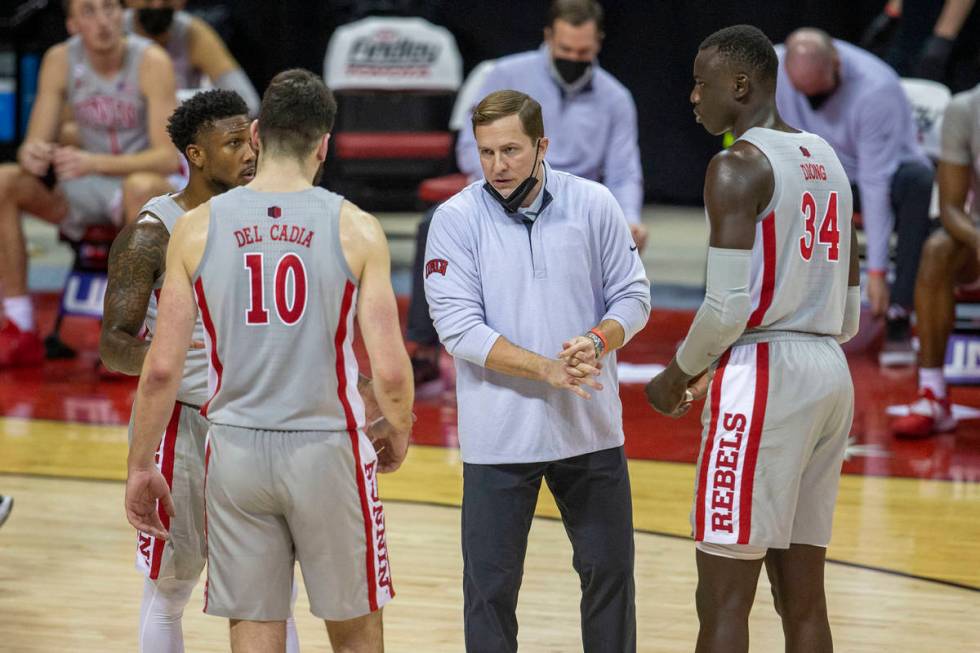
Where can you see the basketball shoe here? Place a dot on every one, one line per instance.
(927, 416)
(19, 348)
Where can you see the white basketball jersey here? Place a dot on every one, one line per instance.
(278, 303)
(110, 113)
(801, 257)
(194, 384)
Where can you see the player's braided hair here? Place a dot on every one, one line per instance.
(200, 112)
(745, 45)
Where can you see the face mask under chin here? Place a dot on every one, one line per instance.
(155, 21)
(517, 196)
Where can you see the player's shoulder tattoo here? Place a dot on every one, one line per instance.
(140, 249)
(136, 260)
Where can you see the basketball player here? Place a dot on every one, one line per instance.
(275, 269)
(782, 292)
(211, 129)
(121, 91)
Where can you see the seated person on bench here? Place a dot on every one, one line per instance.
(950, 257)
(121, 91)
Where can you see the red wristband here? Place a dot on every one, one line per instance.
(605, 343)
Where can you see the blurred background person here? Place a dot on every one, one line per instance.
(591, 120)
(856, 103)
(951, 256)
(120, 89)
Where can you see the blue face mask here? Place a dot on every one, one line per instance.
(513, 201)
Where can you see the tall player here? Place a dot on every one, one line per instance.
(782, 292)
(276, 269)
(211, 129)
(120, 90)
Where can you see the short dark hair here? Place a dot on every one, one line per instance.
(501, 104)
(745, 45)
(199, 112)
(576, 12)
(297, 110)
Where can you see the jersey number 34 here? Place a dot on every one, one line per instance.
(829, 233)
(290, 299)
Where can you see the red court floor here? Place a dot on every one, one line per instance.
(72, 391)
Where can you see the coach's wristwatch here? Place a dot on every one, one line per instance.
(597, 342)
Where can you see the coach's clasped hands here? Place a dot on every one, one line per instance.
(576, 366)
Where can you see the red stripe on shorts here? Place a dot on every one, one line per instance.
(710, 443)
(768, 271)
(207, 460)
(755, 435)
(339, 341)
(202, 304)
(167, 469)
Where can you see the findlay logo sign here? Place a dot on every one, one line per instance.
(391, 52)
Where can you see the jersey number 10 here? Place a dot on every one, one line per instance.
(829, 233)
(289, 305)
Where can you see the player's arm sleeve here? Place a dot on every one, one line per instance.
(723, 314)
(879, 148)
(622, 171)
(467, 156)
(451, 278)
(852, 304)
(625, 287)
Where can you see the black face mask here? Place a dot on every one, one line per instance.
(155, 21)
(818, 100)
(571, 71)
(513, 201)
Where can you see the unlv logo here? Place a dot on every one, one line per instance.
(805, 151)
(436, 265)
